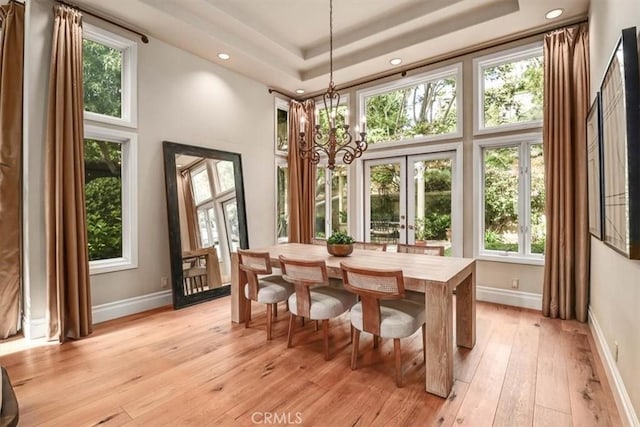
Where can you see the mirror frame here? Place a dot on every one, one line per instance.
(170, 149)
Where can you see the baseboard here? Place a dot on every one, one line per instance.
(125, 307)
(623, 401)
(34, 328)
(509, 297)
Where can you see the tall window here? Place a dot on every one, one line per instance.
(423, 107)
(331, 200)
(511, 198)
(109, 84)
(282, 185)
(509, 89)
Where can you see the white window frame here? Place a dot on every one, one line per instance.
(524, 255)
(129, 93)
(129, 165)
(455, 69)
(279, 162)
(279, 104)
(479, 64)
(328, 177)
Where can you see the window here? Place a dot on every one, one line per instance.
(282, 127)
(419, 108)
(110, 199)
(331, 216)
(282, 215)
(109, 75)
(511, 219)
(110, 155)
(509, 89)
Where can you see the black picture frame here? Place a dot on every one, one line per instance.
(620, 106)
(595, 176)
(170, 150)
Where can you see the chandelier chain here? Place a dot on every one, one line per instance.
(331, 42)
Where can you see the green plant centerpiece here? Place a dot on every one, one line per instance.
(340, 244)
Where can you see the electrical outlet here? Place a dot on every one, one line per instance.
(615, 351)
(515, 283)
(164, 282)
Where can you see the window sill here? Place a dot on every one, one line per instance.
(111, 265)
(513, 259)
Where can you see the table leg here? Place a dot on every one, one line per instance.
(466, 310)
(439, 350)
(238, 300)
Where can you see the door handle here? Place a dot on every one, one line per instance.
(401, 226)
(410, 227)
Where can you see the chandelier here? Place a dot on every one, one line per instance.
(336, 140)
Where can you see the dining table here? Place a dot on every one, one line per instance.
(435, 276)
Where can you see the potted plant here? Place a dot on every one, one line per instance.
(420, 231)
(340, 244)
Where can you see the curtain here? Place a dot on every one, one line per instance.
(185, 199)
(301, 175)
(11, 72)
(68, 290)
(566, 94)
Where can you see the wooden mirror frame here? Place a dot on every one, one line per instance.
(170, 149)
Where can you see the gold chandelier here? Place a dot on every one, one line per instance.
(337, 140)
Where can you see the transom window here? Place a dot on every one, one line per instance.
(509, 89)
(419, 108)
(109, 77)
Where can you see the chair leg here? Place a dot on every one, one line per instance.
(315, 325)
(375, 341)
(287, 304)
(302, 317)
(269, 320)
(354, 347)
(398, 357)
(351, 334)
(424, 342)
(248, 313)
(275, 310)
(325, 333)
(292, 327)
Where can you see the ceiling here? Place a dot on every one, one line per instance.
(285, 43)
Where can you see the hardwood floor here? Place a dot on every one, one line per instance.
(194, 367)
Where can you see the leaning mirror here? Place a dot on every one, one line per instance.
(207, 220)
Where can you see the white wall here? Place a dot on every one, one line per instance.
(615, 280)
(181, 98)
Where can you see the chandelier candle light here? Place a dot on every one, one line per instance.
(337, 140)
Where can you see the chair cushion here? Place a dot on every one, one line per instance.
(398, 318)
(326, 302)
(271, 289)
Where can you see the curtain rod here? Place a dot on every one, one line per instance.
(469, 51)
(142, 36)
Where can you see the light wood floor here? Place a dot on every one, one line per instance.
(193, 367)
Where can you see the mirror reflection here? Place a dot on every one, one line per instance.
(207, 214)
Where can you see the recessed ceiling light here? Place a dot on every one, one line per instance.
(395, 61)
(554, 13)
(224, 56)
(299, 91)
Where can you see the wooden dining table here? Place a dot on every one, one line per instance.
(435, 276)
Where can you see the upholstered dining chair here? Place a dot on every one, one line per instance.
(421, 249)
(382, 310)
(268, 290)
(313, 297)
(370, 246)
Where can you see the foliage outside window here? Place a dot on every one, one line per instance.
(109, 77)
(335, 184)
(511, 88)
(513, 199)
(428, 108)
(281, 126)
(103, 198)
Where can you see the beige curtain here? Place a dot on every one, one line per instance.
(185, 199)
(566, 95)
(68, 290)
(11, 71)
(301, 175)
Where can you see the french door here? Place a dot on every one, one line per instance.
(414, 199)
